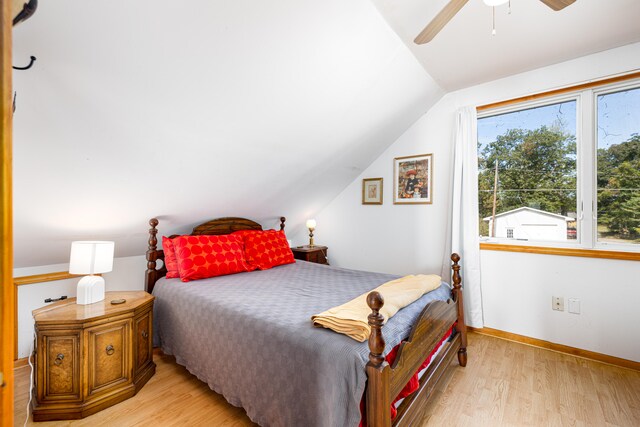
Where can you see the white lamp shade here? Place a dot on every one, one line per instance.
(311, 223)
(91, 257)
(494, 2)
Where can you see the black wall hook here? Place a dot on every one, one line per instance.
(33, 59)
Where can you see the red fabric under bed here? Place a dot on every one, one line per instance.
(414, 382)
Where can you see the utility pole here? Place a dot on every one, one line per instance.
(495, 201)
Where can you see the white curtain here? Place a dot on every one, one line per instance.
(464, 214)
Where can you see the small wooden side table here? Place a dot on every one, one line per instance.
(315, 253)
(90, 357)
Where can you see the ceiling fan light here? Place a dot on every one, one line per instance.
(495, 2)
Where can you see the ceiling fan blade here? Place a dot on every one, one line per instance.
(441, 19)
(21, 10)
(558, 4)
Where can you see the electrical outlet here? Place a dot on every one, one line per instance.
(557, 303)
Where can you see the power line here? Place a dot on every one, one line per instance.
(557, 189)
(518, 169)
(529, 189)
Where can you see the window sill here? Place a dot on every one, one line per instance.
(575, 252)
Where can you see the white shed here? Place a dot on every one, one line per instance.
(530, 224)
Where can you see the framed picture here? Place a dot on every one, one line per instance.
(372, 191)
(413, 179)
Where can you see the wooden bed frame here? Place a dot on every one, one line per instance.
(384, 381)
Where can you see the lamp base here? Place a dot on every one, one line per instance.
(90, 290)
(311, 237)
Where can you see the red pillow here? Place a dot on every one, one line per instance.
(170, 260)
(244, 234)
(200, 257)
(266, 249)
(247, 232)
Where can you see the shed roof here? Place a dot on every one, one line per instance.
(513, 211)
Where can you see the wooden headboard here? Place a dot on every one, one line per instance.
(214, 227)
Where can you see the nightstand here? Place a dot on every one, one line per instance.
(317, 254)
(90, 357)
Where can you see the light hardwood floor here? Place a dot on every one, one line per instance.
(504, 384)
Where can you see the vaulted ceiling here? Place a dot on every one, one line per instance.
(194, 109)
(198, 109)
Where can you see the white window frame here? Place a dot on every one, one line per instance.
(586, 165)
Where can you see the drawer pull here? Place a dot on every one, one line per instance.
(110, 350)
(59, 358)
(145, 334)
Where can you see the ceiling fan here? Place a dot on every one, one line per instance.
(454, 6)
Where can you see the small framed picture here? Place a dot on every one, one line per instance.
(372, 191)
(413, 179)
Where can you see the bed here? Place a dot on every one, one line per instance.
(249, 336)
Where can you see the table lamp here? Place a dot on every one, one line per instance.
(311, 225)
(90, 257)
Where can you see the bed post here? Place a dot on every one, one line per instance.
(282, 220)
(378, 380)
(457, 296)
(150, 276)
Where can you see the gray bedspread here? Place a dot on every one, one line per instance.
(249, 337)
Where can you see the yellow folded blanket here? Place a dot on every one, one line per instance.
(351, 318)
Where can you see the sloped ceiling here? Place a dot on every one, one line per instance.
(465, 53)
(191, 110)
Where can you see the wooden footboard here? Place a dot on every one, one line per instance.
(385, 382)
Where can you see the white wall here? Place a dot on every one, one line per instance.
(517, 288)
(393, 238)
(127, 275)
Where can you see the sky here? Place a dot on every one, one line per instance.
(618, 118)
(490, 127)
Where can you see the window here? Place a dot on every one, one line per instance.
(618, 165)
(563, 170)
(531, 155)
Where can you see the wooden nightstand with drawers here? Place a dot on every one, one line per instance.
(317, 254)
(90, 357)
